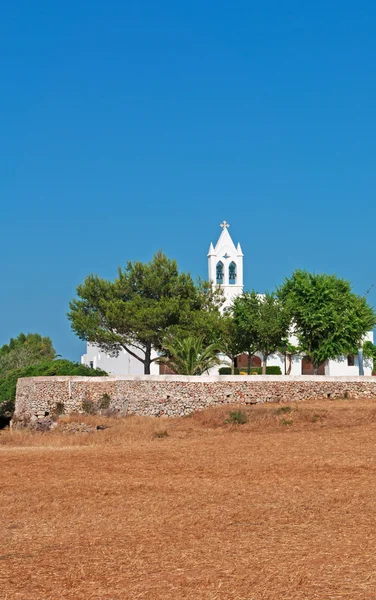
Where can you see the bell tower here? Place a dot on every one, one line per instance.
(225, 262)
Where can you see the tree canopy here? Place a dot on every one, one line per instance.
(140, 307)
(25, 350)
(261, 323)
(272, 324)
(230, 339)
(327, 317)
(244, 311)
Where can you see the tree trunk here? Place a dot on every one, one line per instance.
(147, 362)
(249, 363)
(232, 365)
(264, 358)
(290, 364)
(315, 369)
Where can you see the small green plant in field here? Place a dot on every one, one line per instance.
(237, 417)
(283, 410)
(161, 434)
(105, 401)
(89, 407)
(286, 422)
(316, 417)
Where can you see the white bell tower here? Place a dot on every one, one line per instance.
(226, 265)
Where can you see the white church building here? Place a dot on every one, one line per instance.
(225, 269)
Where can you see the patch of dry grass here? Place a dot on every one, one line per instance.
(212, 511)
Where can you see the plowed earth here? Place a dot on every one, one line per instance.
(280, 508)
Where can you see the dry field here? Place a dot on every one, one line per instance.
(280, 508)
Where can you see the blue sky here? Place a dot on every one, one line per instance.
(132, 126)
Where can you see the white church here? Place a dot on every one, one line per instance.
(225, 269)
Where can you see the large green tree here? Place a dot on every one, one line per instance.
(261, 323)
(136, 311)
(25, 350)
(272, 325)
(230, 339)
(328, 319)
(245, 312)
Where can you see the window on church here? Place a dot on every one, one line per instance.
(220, 272)
(232, 273)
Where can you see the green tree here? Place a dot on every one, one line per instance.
(188, 356)
(245, 312)
(329, 320)
(25, 350)
(230, 339)
(272, 324)
(262, 323)
(139, 308)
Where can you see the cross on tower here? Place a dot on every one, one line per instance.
(224, 225)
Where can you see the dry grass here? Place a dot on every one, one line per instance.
(261, 511)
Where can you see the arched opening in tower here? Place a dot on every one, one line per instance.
(219, 272)
(232, 273)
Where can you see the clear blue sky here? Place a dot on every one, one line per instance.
(132, 126)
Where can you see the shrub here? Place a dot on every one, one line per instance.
(105, 401)
(287, 422)
(53, 367)
(237, 417)
(316, 417)
(89, 407)
(283, 410)
(272, 370)
(161, 434)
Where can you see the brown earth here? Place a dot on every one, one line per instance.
(281, 508)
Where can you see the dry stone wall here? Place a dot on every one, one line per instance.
(173, 395)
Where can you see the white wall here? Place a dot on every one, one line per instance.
(340, 367)
(123, 364)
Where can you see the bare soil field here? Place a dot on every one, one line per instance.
(280, 508)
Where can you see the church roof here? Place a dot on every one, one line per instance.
(224, 242)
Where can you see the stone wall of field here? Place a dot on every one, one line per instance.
(173, 395)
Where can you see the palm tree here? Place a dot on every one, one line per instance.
(187, 356)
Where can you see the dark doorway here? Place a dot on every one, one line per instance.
(242, 361)
(308, 369)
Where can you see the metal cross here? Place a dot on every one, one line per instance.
(224, 225)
